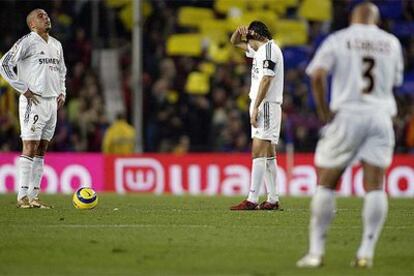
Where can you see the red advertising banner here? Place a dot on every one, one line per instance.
(63, 172)
(192, 174)
(229, 174)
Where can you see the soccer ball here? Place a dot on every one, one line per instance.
(85, 198)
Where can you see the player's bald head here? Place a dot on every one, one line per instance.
(365, 13)
(31, 16)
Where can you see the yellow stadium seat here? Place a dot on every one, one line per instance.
(193, 16)
(197, 83)
(316, 10)
(278, 6)
(173, 96)
(291, 32)
(268, 17)
(220, 52)
(184, 45)
(207, 68)
(215, 30)
(213, 26)
(126, 14)
(224, 6)
(242, 102)
(117, 3)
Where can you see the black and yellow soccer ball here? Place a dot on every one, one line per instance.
(85, 198)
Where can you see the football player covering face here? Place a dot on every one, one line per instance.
(266, 96)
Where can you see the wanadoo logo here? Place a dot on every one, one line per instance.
(150, 175)
(50, 176)
(139, 174)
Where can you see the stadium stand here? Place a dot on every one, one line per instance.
(195, 84)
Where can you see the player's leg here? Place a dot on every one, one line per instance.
(259, 151)
(322, 209)
(322, 213)
(271, 132)
(48, 113)
(374, 213)
(37, 172)
(25, 164)
(30, 135)
(334, 151)
(259, 155)
(272, 201)
(376, 154)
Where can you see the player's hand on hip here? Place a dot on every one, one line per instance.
(326, 117)
(31, 97)
(253, 117)
(60, 100)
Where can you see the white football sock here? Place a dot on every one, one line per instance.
(258, 172)
(373, 217)
(24, 173)
(37, 171)
(322, 208)
(270, 180)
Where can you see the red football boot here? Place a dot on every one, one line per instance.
(245, 205)
(265, 205)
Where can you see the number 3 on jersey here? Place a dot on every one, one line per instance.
(368, 63)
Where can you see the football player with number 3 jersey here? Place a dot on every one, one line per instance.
(366, 63)
(40, 80)
(266, 95)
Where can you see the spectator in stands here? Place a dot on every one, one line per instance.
(120, 137)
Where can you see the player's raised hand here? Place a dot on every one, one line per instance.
(31, 97)
(253, 118)
(60, 100)
(243, 31)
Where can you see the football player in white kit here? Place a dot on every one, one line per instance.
(40, 80)
(366, 63)
(266, 95)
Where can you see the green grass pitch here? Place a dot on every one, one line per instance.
(167, 235)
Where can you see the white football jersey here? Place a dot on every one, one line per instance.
(267, 61)
(40, 66)
(366, 63)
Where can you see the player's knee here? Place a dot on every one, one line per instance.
(373, 184)
(41, 149)
(30, 148)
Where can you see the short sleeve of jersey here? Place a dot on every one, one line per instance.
(324, 57)
(269, 60)
(399, 70)
(250, 52)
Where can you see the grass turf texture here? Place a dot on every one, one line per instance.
(166, 235)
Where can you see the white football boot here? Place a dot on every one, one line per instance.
(310, 261)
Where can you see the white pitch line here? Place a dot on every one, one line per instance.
(194, 226)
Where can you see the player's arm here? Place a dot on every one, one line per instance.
(8, 62)
(319, 90)
(62, 74)
(269, 72)
(238, 38)
(318, 71)
(263, 88)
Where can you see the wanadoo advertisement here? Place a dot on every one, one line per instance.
(192, 174)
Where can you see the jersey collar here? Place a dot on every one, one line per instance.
(39, 37)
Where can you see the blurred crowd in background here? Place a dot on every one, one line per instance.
(195, 101)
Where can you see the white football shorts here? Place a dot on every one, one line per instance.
(37, 122)
(363, 136)
(268, 121)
